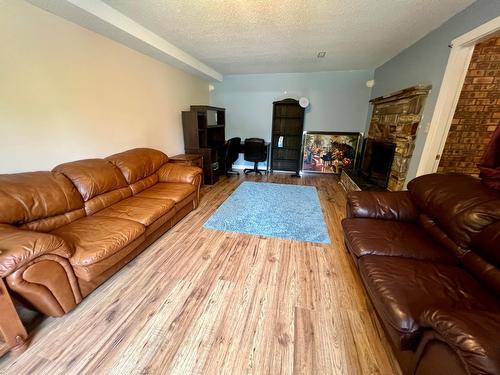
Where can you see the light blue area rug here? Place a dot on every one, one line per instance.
(275, 210)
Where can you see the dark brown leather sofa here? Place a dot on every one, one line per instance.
(429, 259)
(64, 232)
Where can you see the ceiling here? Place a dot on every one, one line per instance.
(263, 36)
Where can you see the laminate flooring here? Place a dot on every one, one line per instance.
(200, 301)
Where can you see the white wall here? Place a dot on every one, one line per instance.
(338, 101)
(67, 93)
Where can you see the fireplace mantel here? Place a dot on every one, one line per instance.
(404, 93)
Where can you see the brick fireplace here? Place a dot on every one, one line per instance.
(395, 119)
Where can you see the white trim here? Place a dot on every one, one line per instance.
(106, 20)
(451, 87)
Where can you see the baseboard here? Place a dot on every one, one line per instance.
(241, 167)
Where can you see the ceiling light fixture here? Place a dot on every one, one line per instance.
(321, 54)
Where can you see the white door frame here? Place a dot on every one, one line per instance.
(451, 87)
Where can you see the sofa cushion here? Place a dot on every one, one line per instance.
(93, 177)
(434, 231)
(459, 204)
(102, 201)
(35, 196)
(487, 244)
(138, 163)
(177, 192)
(95, 238)
(177, 173)
(401, 289)
(143, 184)
(483, 259)
(392, 238)
(143, 210)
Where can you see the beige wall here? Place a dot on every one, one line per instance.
(67, 93)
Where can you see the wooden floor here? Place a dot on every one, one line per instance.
(207, 302)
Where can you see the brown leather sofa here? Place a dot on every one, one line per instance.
(429, 259)
(64, 232)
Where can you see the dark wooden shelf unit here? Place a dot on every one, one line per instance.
(288, 122)
(204, 133)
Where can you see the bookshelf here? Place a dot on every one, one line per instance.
(288, 124)
(204, 133)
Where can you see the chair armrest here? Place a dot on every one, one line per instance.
(385, 205)
(472, 334)
(172, 172)
(19, 247)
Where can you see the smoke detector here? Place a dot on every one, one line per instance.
(321, 54)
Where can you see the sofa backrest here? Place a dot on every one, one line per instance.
(458, 204)
(484, 257)
(98, 181)
(40, 201)
(139, 166)
(464, 215)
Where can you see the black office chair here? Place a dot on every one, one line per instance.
(256, 151)
(232, 153)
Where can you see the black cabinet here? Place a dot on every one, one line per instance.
(286, 143)
(204, 133)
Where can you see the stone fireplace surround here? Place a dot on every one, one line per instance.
(395, 118)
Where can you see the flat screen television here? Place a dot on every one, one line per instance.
(377, 162)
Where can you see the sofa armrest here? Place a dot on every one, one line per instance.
(471, 334)
(18, 247)
(385, 205)
(172, 172)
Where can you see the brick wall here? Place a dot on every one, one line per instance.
(478, 112)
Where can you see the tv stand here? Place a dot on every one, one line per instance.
(353, 180)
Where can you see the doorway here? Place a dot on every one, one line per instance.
(449, 94)
(477, 114)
